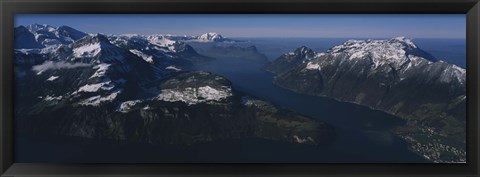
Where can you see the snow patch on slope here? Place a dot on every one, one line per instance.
(173, 68)
(107, 85)
(453, 72)
(101, 70)
(52, 78)
(90, 50)
(145, 57)
(312, 66)
(193, 96)
(52, 98)
(127, 105)
(97, 100)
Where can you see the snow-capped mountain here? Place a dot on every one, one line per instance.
(169, 39)
(393, 75)
(206, 37)
(36, 43)
(134, 88)
(96, 49)
(286, 61)
(159, 49)
(47, 35)
(24, 39)
(91, 73)
(211, 37)
(398, 55)
(94, 72)
(396, 51)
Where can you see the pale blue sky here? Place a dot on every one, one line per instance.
(258, 25)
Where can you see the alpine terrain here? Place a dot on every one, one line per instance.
(140, 89)
(394, 76)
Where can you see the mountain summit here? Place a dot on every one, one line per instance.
(211, 36)
(46, 35)
(393, 51)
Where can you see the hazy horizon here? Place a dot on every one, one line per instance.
(442, 26)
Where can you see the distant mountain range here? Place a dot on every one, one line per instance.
(40, 36)
(394, 76)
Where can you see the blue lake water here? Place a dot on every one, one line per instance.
(362, 134)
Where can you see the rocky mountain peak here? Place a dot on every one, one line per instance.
(89, 48)
(396, 51)
(92, 39)
(211, 36)
(24, 39)
(21, 29)
(402, 39)
(38, 27)
(46, 36)
(304, 52)
(70, 32)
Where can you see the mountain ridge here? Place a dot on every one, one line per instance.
(386, 75)
(139, 89)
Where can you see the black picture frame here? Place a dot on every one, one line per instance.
(8, 9)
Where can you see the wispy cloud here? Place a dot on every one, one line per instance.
(50, 65)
